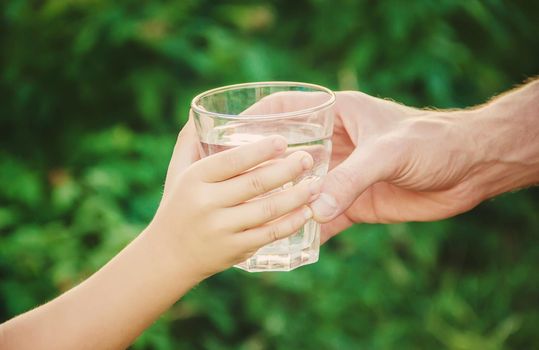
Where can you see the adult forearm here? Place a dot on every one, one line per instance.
(111, 308)
(506, 134)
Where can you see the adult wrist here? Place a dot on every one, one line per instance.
(505, 143)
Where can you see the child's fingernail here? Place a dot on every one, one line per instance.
(280, 144)
(315, 187)
(307, 162)
(307, 213)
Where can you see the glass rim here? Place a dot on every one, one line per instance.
(195, 107)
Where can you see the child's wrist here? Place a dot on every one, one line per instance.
(172, 257)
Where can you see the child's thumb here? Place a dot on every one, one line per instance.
(186, 151)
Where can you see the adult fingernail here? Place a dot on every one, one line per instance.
(280, 144)
(324, 206)
(307, 162)
(307, 213)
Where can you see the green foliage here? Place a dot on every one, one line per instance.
(92, 94)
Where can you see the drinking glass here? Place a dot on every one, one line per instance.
(234, 115)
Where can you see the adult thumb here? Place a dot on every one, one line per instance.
(345, 183)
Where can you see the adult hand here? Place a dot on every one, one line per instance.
(392, 163)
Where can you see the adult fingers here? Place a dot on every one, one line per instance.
(285, 226)
(262, 179)
(364, 167)
(224, 165)
(333, 227)
(286, 101)
(263, 210)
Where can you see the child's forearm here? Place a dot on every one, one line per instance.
(207, 221)
(112, 307)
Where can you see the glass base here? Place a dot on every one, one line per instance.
(268, 260)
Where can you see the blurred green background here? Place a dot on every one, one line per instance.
(93, 93)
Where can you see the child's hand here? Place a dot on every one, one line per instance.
(203, 225)
(208, 217)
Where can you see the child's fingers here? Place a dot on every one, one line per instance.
(273, 231)
(232, 162)
(262, 179)
(260, 211)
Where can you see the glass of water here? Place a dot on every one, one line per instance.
(234, 115)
